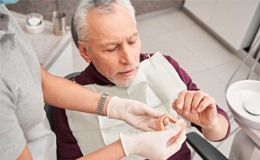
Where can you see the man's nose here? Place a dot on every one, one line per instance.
(127, 57)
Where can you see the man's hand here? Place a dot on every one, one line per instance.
(135, 113)
(197, 107)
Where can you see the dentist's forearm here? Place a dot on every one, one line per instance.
(66, 94)
(217, 132)
(113, 151)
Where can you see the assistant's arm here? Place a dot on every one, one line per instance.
(136, 144)
(159, 148)
(113, 151)
(66, 94)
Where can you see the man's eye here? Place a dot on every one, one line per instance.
(132, 42)
(111, 50)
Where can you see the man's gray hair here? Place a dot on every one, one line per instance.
(105, 6)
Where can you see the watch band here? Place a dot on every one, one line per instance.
(101, 104)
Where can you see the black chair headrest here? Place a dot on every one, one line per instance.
(74, 32)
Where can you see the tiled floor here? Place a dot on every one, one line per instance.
(207, 61)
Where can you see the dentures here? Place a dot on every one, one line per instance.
(160, 125)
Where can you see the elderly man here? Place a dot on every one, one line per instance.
(109, 41)
(25, 85)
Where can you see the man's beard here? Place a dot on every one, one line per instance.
(125, 82)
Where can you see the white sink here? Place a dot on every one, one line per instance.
(243, 98)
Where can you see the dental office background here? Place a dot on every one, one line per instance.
(232, 23)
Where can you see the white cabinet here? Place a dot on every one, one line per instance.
(235, 21)
(202, 9)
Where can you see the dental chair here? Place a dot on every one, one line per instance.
(199, 144)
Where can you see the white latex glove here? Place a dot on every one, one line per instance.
(133, 112)
(154, 145)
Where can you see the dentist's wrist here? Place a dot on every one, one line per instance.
(106, 105)
(102, 104)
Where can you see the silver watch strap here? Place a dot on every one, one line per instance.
(101, 104)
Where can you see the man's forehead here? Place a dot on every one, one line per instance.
(115, 41)
(111, 27)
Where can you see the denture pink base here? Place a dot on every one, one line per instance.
(160, 126)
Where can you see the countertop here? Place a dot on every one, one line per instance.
(47, 46)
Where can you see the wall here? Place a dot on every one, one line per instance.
(46, 7)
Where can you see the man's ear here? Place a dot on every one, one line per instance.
(83, 52)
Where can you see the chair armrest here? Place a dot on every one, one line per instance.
(204, 148)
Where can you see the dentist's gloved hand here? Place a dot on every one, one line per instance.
(133, 112)
(154, 145)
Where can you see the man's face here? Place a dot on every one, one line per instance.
(114, 45)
